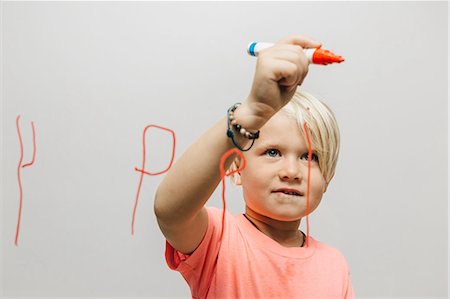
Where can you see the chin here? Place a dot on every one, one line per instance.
(289, 213)
(287, 217)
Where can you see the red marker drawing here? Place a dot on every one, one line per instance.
(223, 175)
(142, 169)
(315, 56)
(19, 167)
(305, 127)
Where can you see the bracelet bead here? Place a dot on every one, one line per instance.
(233, 124)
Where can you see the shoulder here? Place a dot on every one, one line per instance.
(214, 212)
(215, 216)
(331, 255)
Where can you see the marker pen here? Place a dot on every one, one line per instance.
(316, 56)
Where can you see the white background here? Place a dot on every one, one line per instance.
(93, 75)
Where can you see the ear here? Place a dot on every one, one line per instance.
(237, 179)
(237, 176)
(325, 188)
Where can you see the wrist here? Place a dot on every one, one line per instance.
(252, 116)
(235, 131)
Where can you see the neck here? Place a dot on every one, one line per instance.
(286, 233)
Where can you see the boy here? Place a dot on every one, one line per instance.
(262, 254)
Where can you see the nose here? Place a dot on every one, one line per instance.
(290, 170)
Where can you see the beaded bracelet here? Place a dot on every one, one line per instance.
(240, 129)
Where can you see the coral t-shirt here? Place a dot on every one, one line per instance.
(249, 264)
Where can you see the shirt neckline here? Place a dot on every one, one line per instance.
(265, 243)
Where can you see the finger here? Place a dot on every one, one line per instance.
(288, 55)
(286, 73)
(302, 41)
(292, 54)
(288, 47)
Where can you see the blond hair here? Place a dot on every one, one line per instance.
(322, 126)
(323, 130)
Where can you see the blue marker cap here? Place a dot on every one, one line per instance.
(251, 48)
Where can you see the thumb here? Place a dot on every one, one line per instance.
(299, 40)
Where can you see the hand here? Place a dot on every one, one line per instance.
(279, 71)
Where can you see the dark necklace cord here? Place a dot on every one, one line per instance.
(304, 237)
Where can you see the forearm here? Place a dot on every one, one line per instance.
(194, 177)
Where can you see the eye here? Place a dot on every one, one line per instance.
(313, 158)
(272, 152)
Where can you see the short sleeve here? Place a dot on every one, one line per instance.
(198, 268)
(349, 294)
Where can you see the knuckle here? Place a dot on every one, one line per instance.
(304, 60)
(293, 68)
(299, 49)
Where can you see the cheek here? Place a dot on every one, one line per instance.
(249, 180)
(317, 182)
(252, 173)
(254, 183)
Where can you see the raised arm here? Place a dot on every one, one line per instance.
(181, 196)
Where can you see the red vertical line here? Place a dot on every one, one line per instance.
(223, 175)
(142, 170)
(34, 146)
(224, 208)
(309, 181)
(140, 182)
(19, 180)
(223, 159)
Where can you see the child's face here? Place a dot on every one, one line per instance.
(277, 164)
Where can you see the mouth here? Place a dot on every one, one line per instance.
(288, 191)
